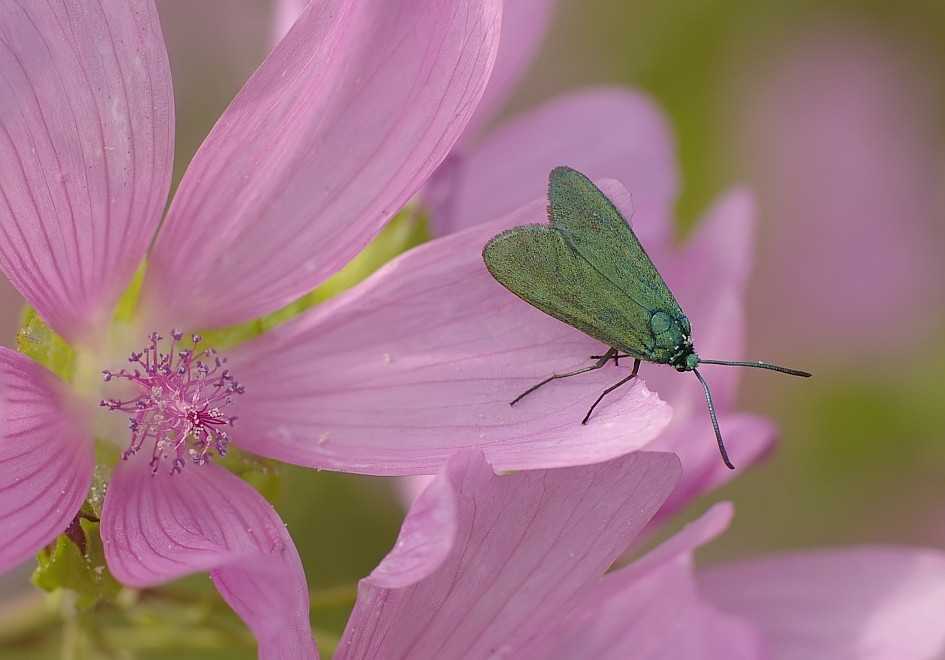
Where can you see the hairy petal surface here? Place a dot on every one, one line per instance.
(86, 129)
(868, 603)
(162, 526)
(338, 128)
(652, 610)
(526, 544)
(423, 359)
(604, 133)
(46, 458)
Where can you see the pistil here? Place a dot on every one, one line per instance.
(180, 402)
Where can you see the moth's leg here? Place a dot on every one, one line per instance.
(601, 361)
(616, 358)
(633, 374)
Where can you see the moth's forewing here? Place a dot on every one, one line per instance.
(536, 263)
(595, 229)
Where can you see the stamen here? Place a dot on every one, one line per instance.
(179, 404)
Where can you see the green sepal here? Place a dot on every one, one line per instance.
(128, 303)
(38, 341)
(107, 456)
(77, 562)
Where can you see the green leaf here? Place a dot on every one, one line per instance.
(77, 562)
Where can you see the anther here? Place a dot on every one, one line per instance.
(178, 404)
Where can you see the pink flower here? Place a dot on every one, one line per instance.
(332, 135)
(514, 566)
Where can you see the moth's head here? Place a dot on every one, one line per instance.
(688, 361)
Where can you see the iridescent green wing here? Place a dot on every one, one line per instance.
(596, 230)
(537, 264)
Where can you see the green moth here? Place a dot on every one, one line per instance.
(588, 269)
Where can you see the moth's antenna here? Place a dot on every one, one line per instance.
(715, 421)
(757, 365)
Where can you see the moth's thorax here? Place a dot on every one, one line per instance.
(673, 341)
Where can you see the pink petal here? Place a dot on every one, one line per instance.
(526, 544)
(660, 617)
(604, 133)
(162, 526)
(524, 25)
(409, 488)
(748, 439)
(426, 538)
(86, 129)
(284, 15)
(333, 134)
(652, 609)
(423, 359)
(46, 459)
(721, 251)
(695, 534)
(868, 603)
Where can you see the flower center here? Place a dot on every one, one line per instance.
(178, 407)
